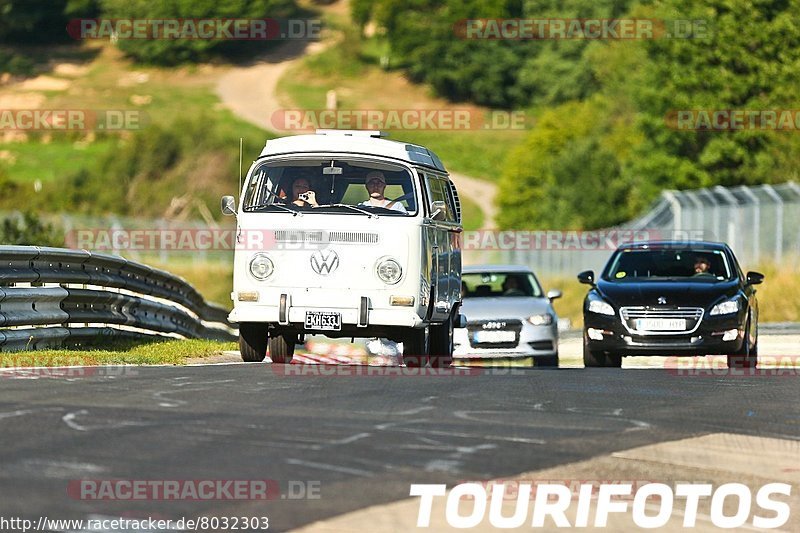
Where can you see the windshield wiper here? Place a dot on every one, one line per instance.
(354, 208)
(264, 206)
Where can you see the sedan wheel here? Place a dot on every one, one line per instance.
(747, 357)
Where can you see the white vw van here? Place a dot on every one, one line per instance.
(347, 234)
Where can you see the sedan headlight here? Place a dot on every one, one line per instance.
(261, 267)
(389, 271)
(727, 307)
(544, 319)
(601, 307)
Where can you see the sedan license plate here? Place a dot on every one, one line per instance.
(661, 324)
(494, 337)
(323, 320)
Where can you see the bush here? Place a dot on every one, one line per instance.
(29, 230)
(16, 64)
(177, 51)
(141, 176)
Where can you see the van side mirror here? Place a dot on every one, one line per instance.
(755, 278)
(586, 277)
(439, 210)
(553, 294)
(228, 205)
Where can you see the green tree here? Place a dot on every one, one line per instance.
(40, 21)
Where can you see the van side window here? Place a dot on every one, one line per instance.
(439, 192)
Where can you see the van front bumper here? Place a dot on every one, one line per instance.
(295, 316)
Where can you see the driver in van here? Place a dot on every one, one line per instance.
(375, 182)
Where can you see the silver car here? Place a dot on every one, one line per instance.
(508, 316)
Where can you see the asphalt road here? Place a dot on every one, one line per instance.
(362, 438)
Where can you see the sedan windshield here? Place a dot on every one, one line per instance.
(331, 186)
(496, 284)
(656, 265)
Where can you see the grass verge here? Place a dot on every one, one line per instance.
(166, 352)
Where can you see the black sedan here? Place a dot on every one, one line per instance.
(671, 298)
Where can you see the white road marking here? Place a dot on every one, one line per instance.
(331, 468)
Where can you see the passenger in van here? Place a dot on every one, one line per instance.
(375, 183)
(302, 186)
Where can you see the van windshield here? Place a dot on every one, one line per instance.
(348, 186)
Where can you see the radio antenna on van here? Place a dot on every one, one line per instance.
(241, 140)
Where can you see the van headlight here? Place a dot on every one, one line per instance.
(727, 307)
(261, 267)
(389, 271)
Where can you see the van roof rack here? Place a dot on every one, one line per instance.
(355, 133)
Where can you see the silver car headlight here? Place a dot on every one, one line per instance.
(545, 319)
(727, 307)
(389, 271)
(600, 307)
(261, 267)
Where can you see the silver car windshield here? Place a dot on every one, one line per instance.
(500, 284)
(331, 186)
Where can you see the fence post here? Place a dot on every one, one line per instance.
(756, 222)
(778, 221)
(675, 205)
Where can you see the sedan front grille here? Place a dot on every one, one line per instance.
(659, 321)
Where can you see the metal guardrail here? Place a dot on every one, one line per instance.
(51, 297)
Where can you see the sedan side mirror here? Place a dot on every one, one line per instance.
(228, 205)
(586, 277)
(755, 278)
(553, 294)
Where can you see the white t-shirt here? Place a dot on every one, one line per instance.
(384, 203)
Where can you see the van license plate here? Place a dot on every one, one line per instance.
(323, 320)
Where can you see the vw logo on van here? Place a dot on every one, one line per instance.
(324, 262)
(662, 300)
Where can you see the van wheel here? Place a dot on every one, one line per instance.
(441, 348)
(281, 348)
(253, 341)
(415, 348)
